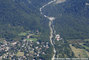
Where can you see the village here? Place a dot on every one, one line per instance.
(23, 49)
(30, 47)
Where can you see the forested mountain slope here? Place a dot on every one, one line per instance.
(20, 15)
(72, 18)
(73, 23)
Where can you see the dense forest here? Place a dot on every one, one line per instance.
(72, 20)
(20, 15)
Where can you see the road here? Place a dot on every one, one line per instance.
(51, 26)
(51, 36)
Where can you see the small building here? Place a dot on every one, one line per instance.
(57, 37)
(38, 42)
(14, 43)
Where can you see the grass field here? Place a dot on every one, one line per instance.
(86, 39)
(32, 39)
(20, 54)
(36, 35)
(22, 34)
(86, 47)
(79, 53)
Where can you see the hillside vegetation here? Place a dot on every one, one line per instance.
(72, 20)
(19, 15)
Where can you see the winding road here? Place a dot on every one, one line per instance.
(51, 26)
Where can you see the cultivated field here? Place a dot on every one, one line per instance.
(79, 53)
